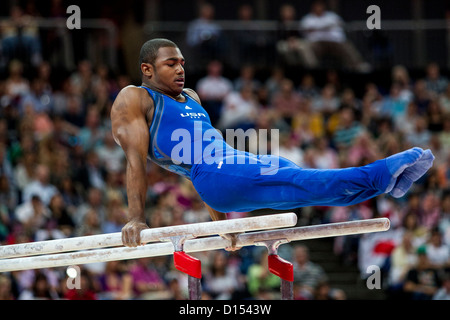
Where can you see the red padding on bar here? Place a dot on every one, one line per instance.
(281, 268)
(187, 264)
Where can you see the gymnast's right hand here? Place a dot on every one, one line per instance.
(131, 232)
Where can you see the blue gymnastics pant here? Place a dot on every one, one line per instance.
(236, 187)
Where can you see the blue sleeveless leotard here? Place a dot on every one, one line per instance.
(183, 141)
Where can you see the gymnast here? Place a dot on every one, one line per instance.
(151, 120)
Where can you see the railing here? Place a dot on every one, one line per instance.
(87, 27)
(409, 42)
(412, 43)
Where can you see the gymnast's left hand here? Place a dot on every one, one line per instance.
(232, 237)
(131, 232)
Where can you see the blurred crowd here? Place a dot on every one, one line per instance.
(62, 175)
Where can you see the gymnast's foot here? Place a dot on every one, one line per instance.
(406, 168)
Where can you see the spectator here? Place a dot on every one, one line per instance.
(325, 292)
(93, 174)
(71, 196)
(147, 284)
(204, 36)
(444, 99)
(411, 219)
(39, 98)
(197, 211)
(400, 77)
(293, 50)
(40, 289)
(421, 136)
(394, 106)
(20, 38)
(261, 283)
(8, 194)
(363, 151)
(86, 290)
(6, 288)
(240, 110)
(82, 81)
(308, 88)
(73, 112)
(5, 222)
(92, 134)
(116, 282)
(406, 123)
(40, 186)
(93, 202)
(444, 223)
(222, 281)
(246, 78)
(422, 281)
(32, 214)
(289, 149)
(430, 213)
(90, 224)
(422, 96)
(287, 102)
(436, 84)
(321, 156)
(110, 155)
(6, 168)
(212, 90)
(444, 291)
(348, 129)
(327, 102)
(435, 117)
(61, 216)
(403, 258)
(254, 39)
(324, 32)
(273, 83)
(116, 214)
(307, 274)
(437, 251)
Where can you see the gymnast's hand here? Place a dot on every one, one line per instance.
(233, 239)
(131, 232)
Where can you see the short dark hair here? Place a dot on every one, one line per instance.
(149, 50)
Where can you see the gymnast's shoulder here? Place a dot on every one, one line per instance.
(132, 97)
(191, 93)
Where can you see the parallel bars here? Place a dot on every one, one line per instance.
(190, 245)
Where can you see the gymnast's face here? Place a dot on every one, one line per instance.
(167, 73)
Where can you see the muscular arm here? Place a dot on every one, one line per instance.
(215, 215)
(130, 130)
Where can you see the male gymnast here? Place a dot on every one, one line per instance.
(144, 122)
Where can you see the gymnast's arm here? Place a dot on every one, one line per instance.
(130, 130)
(214, 214)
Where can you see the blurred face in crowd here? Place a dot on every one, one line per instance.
(287, 13)
(301, 255)
(214, 69)
(318, 8)
(42, 174)
(207, 12)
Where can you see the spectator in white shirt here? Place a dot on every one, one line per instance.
(40, 186)
(324, 31)
(239, 110)
(212, 89)
(437, 251)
